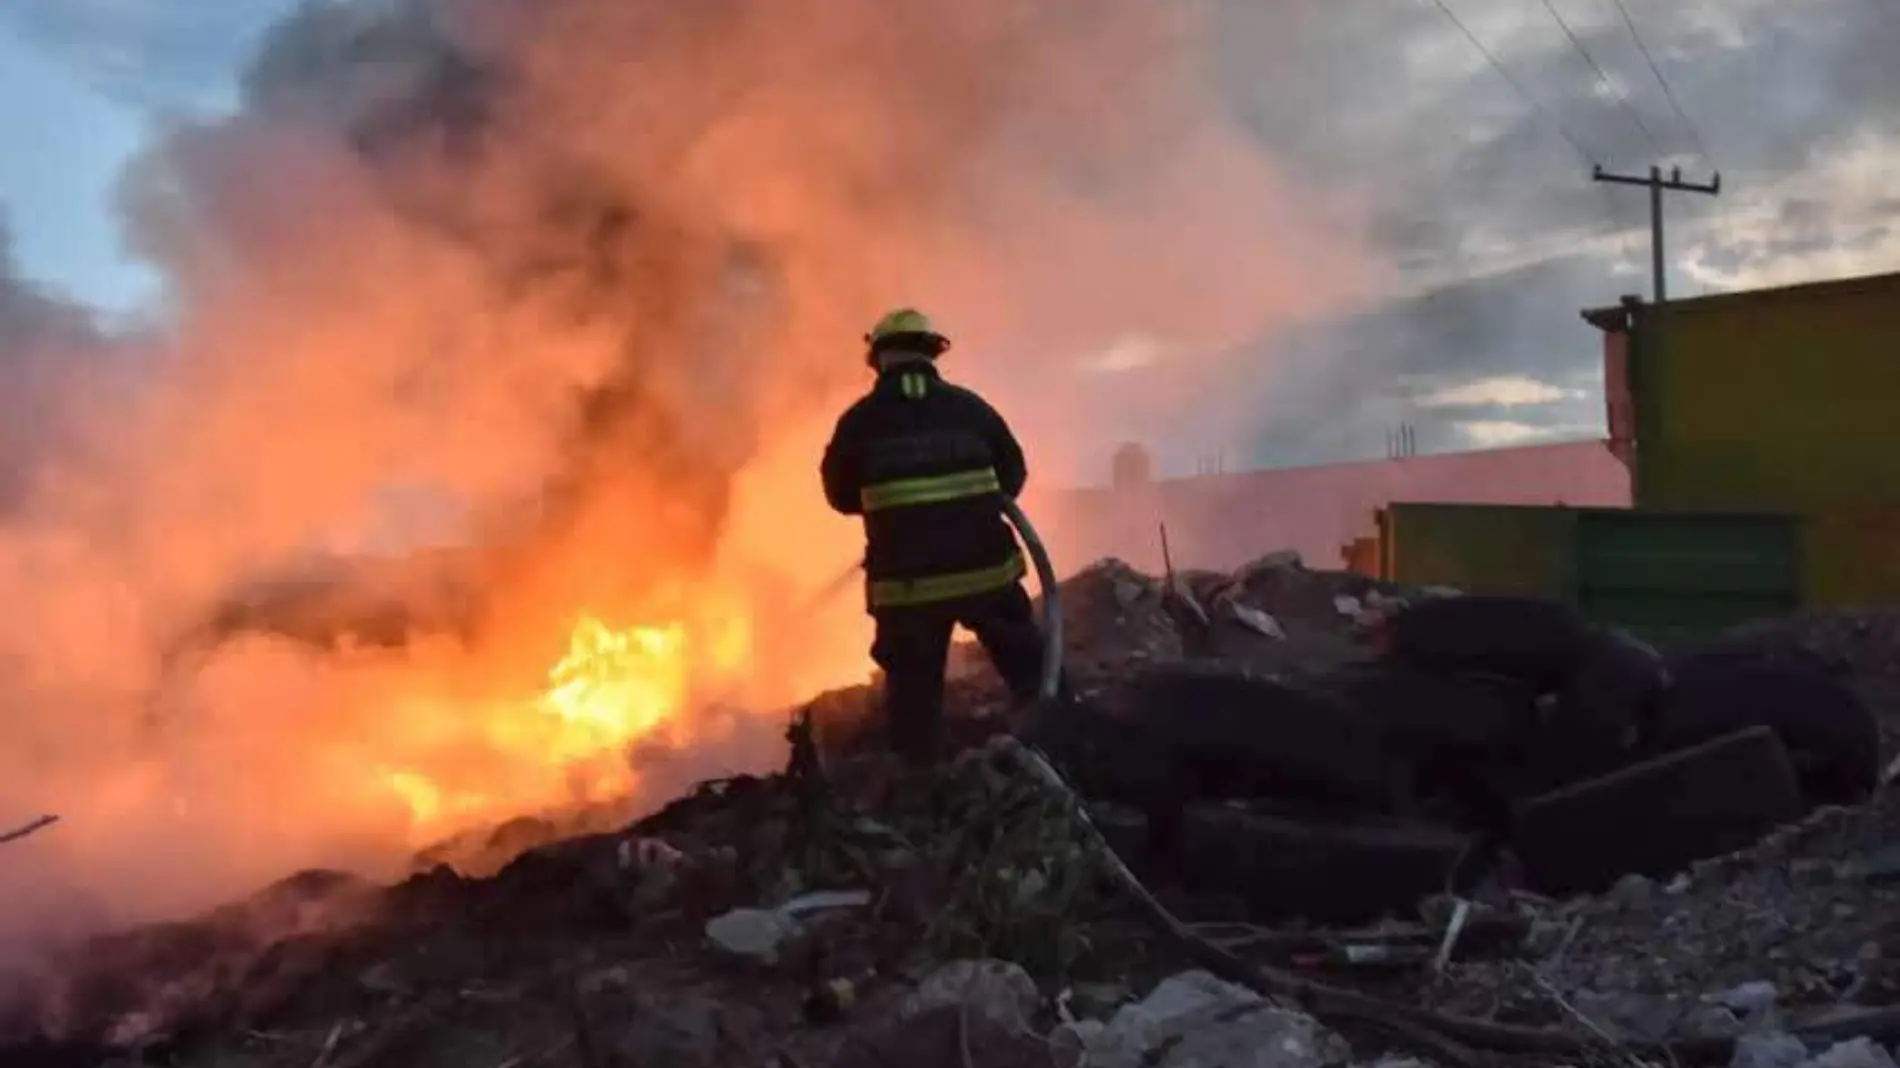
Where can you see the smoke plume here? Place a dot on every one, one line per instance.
(558, 298)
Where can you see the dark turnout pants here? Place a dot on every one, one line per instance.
(913, 647)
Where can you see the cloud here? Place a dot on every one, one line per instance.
(1838, 218)
(1490, 217)
(1127, 354)
(1502, 391)
(1494, 433)
(49, 346)
(156, 57)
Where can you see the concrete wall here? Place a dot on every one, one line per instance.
(1221, 521)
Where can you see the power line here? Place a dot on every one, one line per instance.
(1504, 73)
(1603, 77)
(1675, 105)
(1657, 185)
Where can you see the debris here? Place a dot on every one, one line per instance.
(1771, 1049)
(1288, 559)
(1195, 1020)
(752, 933)
(1183, 595)
(758, 933)
(648, 855)
(996, 990)
(998, 866)
(1860, 1052)
(1621, 1016)
(1877, 866)
(1460, 913)
(1256, 620)
(1750, 999)
(820, 900)
(1686, 801)
(945, 1037)
(32, 827)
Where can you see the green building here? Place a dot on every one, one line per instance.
(1762, 431)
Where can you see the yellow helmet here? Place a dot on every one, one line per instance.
(907, 328)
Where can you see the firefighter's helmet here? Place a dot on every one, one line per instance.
(907, 329)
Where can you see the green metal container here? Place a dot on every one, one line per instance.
(1851, 556)
(1479, 548)
(1658, 573)
(1783, 399)
(1665, 573)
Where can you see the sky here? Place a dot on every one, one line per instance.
(1476, 181)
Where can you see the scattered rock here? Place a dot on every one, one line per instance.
(949, 1036)
(1256, 620)
(1284, 558)
(1631, 1017)
(1195, 1020)
(1750, 999)
(680, 1031)
(754, 934)
(1860, 1052)
(1774, 931)
(1773, 1049)
(997, 990)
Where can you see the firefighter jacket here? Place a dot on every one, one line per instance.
(927, 464)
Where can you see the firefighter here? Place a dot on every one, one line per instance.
(928, 464)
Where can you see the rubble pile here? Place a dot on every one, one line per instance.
(1115, 618)
(849, 914)
(1271, 615)
(717, 927)
(1863, 643)
(863, 919)
(1804, 923)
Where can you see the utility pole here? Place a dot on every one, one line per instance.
(1657, 184)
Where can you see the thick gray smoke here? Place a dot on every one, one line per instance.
(562, 295)
(44, 340)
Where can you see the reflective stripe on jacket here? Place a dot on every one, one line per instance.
(927, 465)
(896, 593)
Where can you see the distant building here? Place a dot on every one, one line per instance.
(1133, 465)
(1223, 520)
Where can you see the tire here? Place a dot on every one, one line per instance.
(1710, 799)
(1605, 716)
(1241, 735)
(1435, 713)
(1109, 759)
(1326, 871)
(1540, 643)
(1832, 734)
(1464, 734)
(1130, 833)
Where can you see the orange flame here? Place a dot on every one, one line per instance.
(613, 691)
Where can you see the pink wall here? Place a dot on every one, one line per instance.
(1222, 521)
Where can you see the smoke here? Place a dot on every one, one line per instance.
(41, 338)
(571, 290)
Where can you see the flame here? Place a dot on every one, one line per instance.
(613, 692)
(614, 687)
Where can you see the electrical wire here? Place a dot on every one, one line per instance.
(1505, 73)
(1695, 135)
(1603, 77)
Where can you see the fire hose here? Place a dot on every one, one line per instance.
(1051, 600)
(1050, 682)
